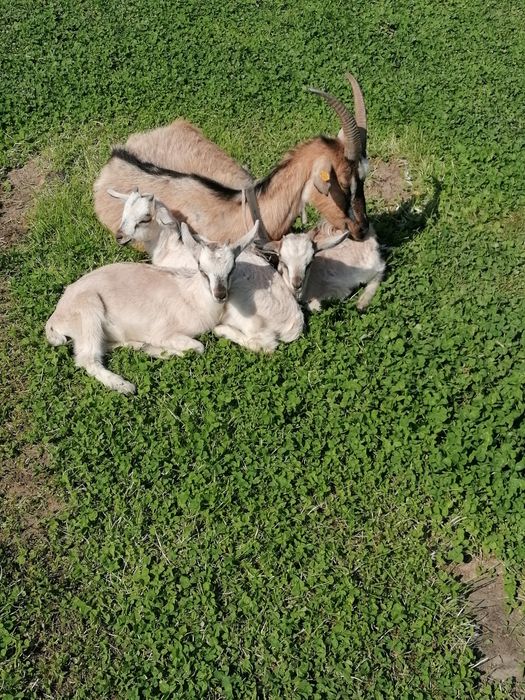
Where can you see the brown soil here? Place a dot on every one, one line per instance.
(388, 182)
(501, 640)
(16, 197)
(27, 499)
(27, 495)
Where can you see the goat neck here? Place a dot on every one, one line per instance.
(284, 192)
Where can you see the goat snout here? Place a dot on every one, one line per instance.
(358, 231)
(297, 287)
(356, 235)
(121, 237)
(220, 294)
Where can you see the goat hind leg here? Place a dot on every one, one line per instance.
(88, 342)
(258, 342)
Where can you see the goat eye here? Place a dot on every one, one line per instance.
(146, 220)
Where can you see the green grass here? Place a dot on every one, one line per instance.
(269, 527)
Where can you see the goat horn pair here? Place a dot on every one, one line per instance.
(354, 128)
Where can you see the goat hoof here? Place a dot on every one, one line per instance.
(314, 305)
(126, 388)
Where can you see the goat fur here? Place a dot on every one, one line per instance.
(157, 310)
(260, 311)
(316, 172)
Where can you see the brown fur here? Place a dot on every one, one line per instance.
(281, 196)
(182, 146)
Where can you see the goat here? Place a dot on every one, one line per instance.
(327, 173)
(182, 146)
(260, 310)
(157, 310)
(319, 265)
(179, 147)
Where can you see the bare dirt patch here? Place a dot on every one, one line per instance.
(16, 197)
(27, 498)
(501, 638)
(388, 181)
(27, 495)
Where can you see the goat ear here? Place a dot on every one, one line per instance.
(321, 175)
(245, 241)
(149, 197)
(330, 242)
(271, 247)
(190, 241)
(117, 195)
(164, 216)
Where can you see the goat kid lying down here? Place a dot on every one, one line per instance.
(323, 264)
(156, 310)
(260, 311)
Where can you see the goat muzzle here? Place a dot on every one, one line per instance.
(358, 231)
(121, 237)
(297, 286)
(220, 295)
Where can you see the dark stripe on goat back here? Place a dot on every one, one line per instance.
(217, 188)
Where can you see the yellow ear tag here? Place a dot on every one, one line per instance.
(324, 175)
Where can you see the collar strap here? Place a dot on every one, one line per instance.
(256, 214)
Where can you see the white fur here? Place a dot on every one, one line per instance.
(260, 310)
(148, 308)
(332, 272)
(296, 253)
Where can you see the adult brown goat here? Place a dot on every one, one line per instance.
(203, 186)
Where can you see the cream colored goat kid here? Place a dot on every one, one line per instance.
(324, 264)
(156, 310)
(260, 311)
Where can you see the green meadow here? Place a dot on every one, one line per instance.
(280, 526)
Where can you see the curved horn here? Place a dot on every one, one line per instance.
(359, 109)
(350, 128)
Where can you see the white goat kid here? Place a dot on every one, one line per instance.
(148, 222)
(145, 307)
(319, 265)
(260, 311)
(295, 253)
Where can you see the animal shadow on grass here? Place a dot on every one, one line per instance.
(394, 228)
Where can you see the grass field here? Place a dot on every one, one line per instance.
(282, 526)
